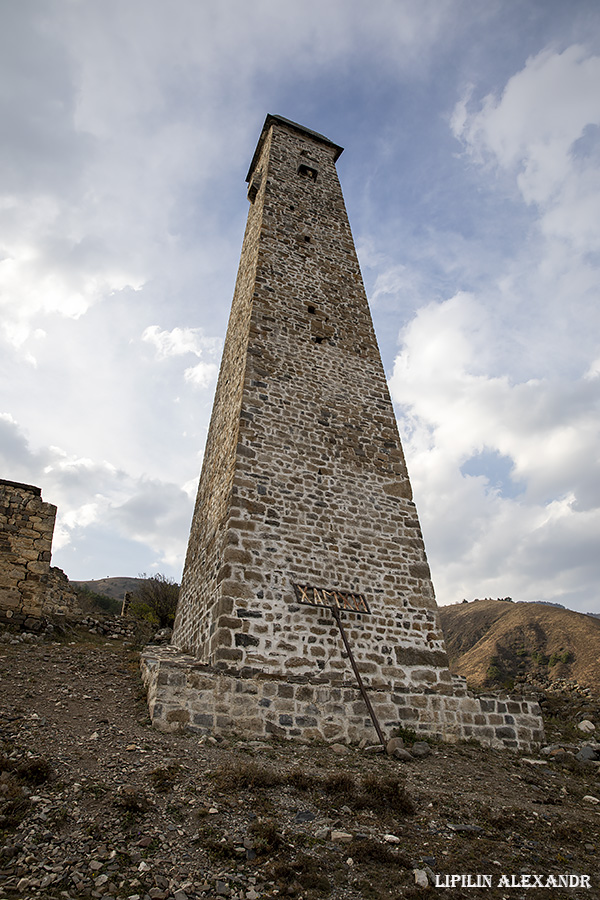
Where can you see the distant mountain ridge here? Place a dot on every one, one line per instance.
(115, 588)
(494, 643)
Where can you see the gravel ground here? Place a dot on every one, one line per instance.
(95, 803)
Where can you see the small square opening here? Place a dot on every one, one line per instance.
(307, 172)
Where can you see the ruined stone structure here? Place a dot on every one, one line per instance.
(26, 529)
(29, 586)
(60, 599)
(304, 501)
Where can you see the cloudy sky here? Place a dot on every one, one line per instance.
(472, 179)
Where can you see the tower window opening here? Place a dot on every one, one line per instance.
(307, 172)
(254, 186)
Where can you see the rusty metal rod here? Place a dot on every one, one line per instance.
(361, 687)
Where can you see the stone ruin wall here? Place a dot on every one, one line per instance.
(60, 599)
(29, 586)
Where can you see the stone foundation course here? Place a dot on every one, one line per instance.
(184, 694)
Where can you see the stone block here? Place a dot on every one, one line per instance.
(10, 598)
(230, 623)
(505, 732)
(226, 655)
(37, 568)
(201, 720)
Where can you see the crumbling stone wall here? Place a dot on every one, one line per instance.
(26, 530)
(60, 599)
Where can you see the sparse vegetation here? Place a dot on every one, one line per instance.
(340, 783)
(34, 771)
(377, 793)
(155, 600)
(164, 777)
(386, 793)
(493, 673)
(266, 838)
(407, 734)
(300, 874)
(92, 602)
(367, 850)
(235, 777)
(132, 801)
(564, 656)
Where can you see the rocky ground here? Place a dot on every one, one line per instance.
(95, 803)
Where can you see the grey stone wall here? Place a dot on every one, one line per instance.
(60, 598)
(26, 530)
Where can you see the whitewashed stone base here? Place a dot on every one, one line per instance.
(184, 694)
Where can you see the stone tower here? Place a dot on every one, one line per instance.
(304, 480)
(304, 499)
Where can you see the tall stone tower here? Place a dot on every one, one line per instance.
(304, 480)
(304, 499)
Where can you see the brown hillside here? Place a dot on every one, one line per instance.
(115, 588)
(494, 642)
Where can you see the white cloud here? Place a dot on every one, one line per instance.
(95, 495)
(497, 388)
(201, 375)
(482, 542)
(180, 341)
(184, 341)
(533, 130)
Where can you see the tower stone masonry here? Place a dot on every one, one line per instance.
(304, 499)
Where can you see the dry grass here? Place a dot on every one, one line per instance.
(383, 794)
(236, 776)
(266, 838)
(300, 874)
(386, 794)
(34, 771)
(164, 777)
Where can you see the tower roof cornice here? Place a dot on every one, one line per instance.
(280, 120)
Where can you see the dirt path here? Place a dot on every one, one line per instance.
(95, 803)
